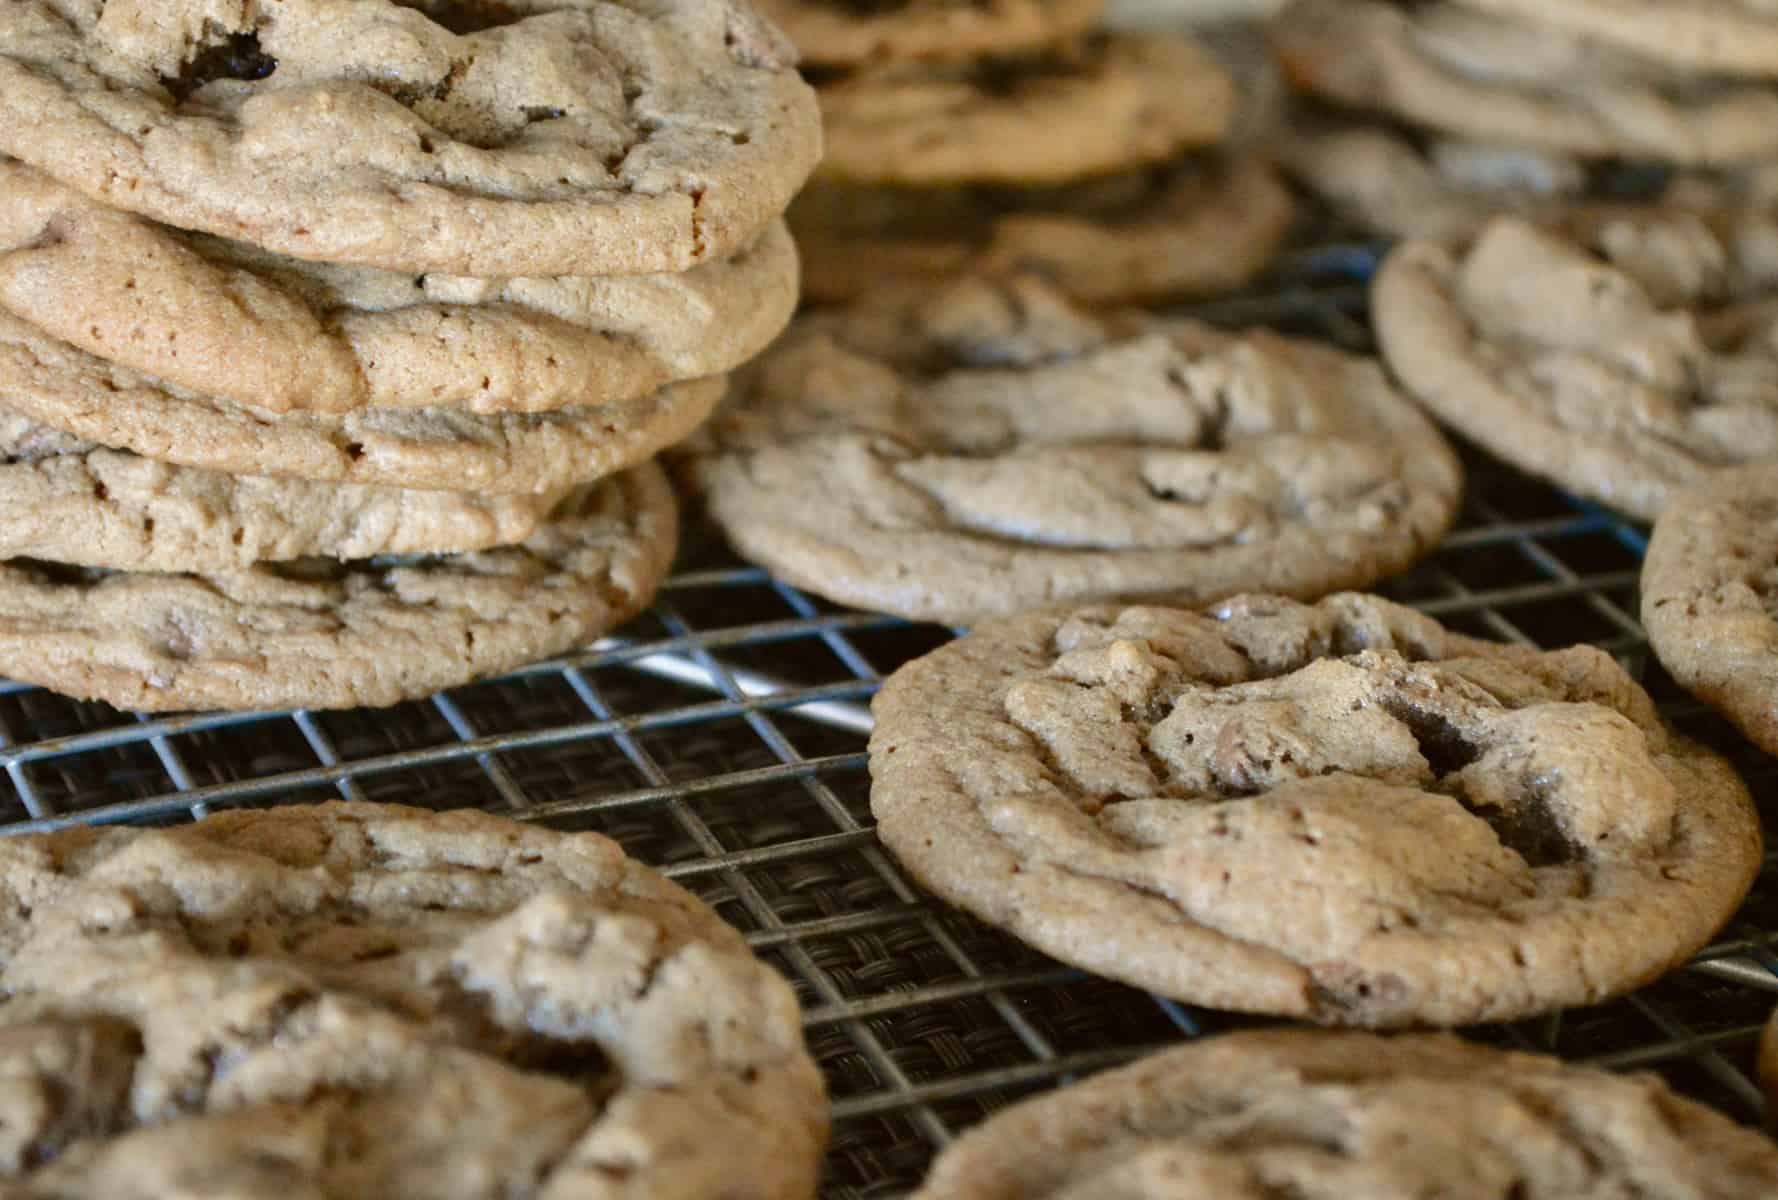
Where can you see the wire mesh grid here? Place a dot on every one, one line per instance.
(721, 738)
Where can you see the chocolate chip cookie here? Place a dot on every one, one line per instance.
(74, 502)
(990, 448)
(1710, 596)
(467, 136)
(1105, 104)
(850, 33)
(317, 633)
(65, 388)
(1192, 227)
(1339, 812)
(1624, 355)
(367, 1000)
(224, 319)
(1325, 1116)
(1490, 80)
(1738, 37)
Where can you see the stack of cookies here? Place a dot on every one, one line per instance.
(1477, 107)
(336, 336)
(1014, 136)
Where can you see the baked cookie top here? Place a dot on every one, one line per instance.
(1738, 37)
(1324, 1116)
(1087, 108)
(526, 137)
(1338, 812)
(227, 320)
(317, 633)
(1622, 353)
(1493, 80)
(74, 502)
(1710, 596)
(1198, 226)
(368, 1000)
(990, 448)
(849, 33)
(65, 388)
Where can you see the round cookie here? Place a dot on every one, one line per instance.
(1481, 78)
(851, 33)
(1623, 358)
(1733, 37)
(1184, 229)
(370, 1000)
(1344, 1116)
(226, 320)
(1710, 596)
(1106, 104)
(57, 385)
(990, 449)
(320, 634)
(1337, 812)
(580, 137)
(1383, 184)
(70, 501)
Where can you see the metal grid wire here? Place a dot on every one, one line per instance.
(721, 738)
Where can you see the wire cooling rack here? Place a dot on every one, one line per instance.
(721, 738)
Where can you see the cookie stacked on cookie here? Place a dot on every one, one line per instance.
(1476, 107)
(965, 137)
(336, 336)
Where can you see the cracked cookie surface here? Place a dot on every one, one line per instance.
(850, 33)
(93, 400)
(1521, 83)
(318, 633)
(1181, 229)
(1624, 354)
(990, 449)
(368, 1000)
(1106, 104)
(528, 138)
(1325, 1116)
(74, 502)
(1710, 596)
(1338, 812)
(224, 319)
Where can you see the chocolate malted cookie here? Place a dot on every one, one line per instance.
(74, 502)
(1710, 596)
(1194, 227)
(586, 137)
(1737, 37)
(57, 385)
(1104, 104)
(990, 449)
(367, 1000)
(223, 319)
(1337, 812)
(1623, 357)
(850, 33)
(1476, 76)
(317, 633)
(1325, 1116)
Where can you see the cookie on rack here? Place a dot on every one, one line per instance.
(1479, 77)
(81, 504)
(1710, 596)
(985, 449)
(1336, 1116)
(1337, 812)
(224, 319)
(65, 388)
(370, 1000)
(1623, 355)
(317, 633)
(854, 33)
(1197, 226)
(1717, 37)
(1107, 103)
(473, 137)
